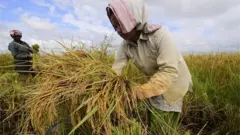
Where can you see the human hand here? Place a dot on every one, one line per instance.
(138, 91)
(146, 91)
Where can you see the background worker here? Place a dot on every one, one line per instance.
(21, 52)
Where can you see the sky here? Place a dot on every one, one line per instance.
(196, 25)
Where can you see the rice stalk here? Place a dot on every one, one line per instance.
(82, 83)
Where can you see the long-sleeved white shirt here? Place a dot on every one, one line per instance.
(156, 55)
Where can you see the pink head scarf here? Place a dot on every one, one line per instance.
(131, 14)
(15, 33)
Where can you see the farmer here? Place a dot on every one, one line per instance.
(21, 53)
(152, 50)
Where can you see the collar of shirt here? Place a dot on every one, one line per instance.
(143, 37)
(19, 42)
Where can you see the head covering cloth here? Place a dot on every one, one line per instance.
(15, 33)
(131, 14)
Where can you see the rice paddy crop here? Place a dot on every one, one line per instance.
(79, 93)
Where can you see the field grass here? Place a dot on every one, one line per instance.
(29, 105)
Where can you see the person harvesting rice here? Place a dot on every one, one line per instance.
(152, 50)
(21, 52)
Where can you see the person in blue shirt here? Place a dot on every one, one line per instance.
(21, 52)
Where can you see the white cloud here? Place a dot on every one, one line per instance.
(62, 4)
(4, 37)
(2, 6)
(85, 25)
(206, 25)
(193, 8)
(41, 3)
(52, 10)
(51, 7)
(37, 23)
(47, 38)
(18, 10)
(199, 26)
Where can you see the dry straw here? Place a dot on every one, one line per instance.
(88, 91)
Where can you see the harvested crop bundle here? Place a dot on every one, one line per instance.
(89, 92)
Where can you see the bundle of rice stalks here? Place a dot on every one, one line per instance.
(86, 90)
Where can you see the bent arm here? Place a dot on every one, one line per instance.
(167, 73)
(121, 60)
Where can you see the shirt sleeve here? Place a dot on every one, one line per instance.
(29, 48)
(121, 59)
(12, 49)
(167, 61)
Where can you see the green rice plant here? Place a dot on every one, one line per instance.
(12, 100)
(215, 102)
(6, 63)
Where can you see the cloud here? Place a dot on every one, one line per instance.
(51, 7)
(18, 10)
(2, 6)
(46, 39)
(90, 17)
(41, 3)
(201, 25)
(37, 23)
(85, 25)
(193, 8)
(62, 4)
(4, 37)
(196, 26)
(85, 10)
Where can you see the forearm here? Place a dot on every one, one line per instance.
(167, 61)
(159, 83)
(119, 65)
(22, 56)
(121, 60)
